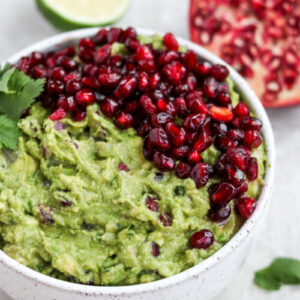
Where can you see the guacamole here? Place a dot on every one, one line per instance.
(75, 196)
(68, 210)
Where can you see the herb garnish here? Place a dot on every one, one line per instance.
(17, 92)
(281, 271)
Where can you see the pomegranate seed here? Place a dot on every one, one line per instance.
(200, 174)
(219, 128)
(79, 115)
(24, 65)
(73, 86)
(38, 72)
(210, 87)
(86, 42)
(100, 37)
(109, 107)
(236, 134)
(123, 167)
(132, 106)
(175, 133)
(57, 114)
(148, 149)
(238, 157)
(113, 35)
(102, 54)
(37, 58)
(126, 87)
(191, 137)
(161, 105)
(219, 72)
(195, 102)
(223, 193)
(154, 80)
(246, 206)
(223, 99)
(241, 110)
(160, 119)
(68, 51)
(242, 188)
(55, 87)
(86, 54)
(144, 53)
(74, 75)
(180, 152)
(193, 157)
(143, 81)
(123, 120)
(152, 204)
(166, 219)
(203, 143)
(147, 65)
(159, 138)
(170, 42)
(109, 79)
(66, 63)
(234, 175)
(194, 121)
(147, 105)
(183, 170)
(252, 169)
(219, 214)
(91, 82)
(221, 114)
(67, 103)
(203, 68)
(202, 239)
(180, 107)
(155, 250)
(144, 128)
(252, 139)
(174, 72)
(50, 63)
(189, 59)
(84, 97)
(163, 162)
(57, 73)
(167, 58)
(220, 165)
(223, 143)
(128, 33)
(132, 44)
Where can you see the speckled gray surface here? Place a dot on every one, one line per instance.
(21, 25)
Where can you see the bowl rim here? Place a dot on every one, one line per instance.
(263, 201)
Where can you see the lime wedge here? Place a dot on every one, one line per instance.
(73, 14)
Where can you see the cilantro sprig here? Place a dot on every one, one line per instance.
(281, 271)
(17, 92)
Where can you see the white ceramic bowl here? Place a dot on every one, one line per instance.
(200, 282)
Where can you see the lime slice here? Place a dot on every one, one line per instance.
(73, 14)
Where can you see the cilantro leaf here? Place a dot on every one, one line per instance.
(17, 92)
(9, 133)
(281, 271)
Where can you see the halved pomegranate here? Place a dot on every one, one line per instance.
(259, 38)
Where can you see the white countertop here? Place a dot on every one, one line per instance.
(21, 25)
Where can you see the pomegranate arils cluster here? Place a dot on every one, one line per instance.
(259, 38)
(179, 104)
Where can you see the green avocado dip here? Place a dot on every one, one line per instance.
(73, 203)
